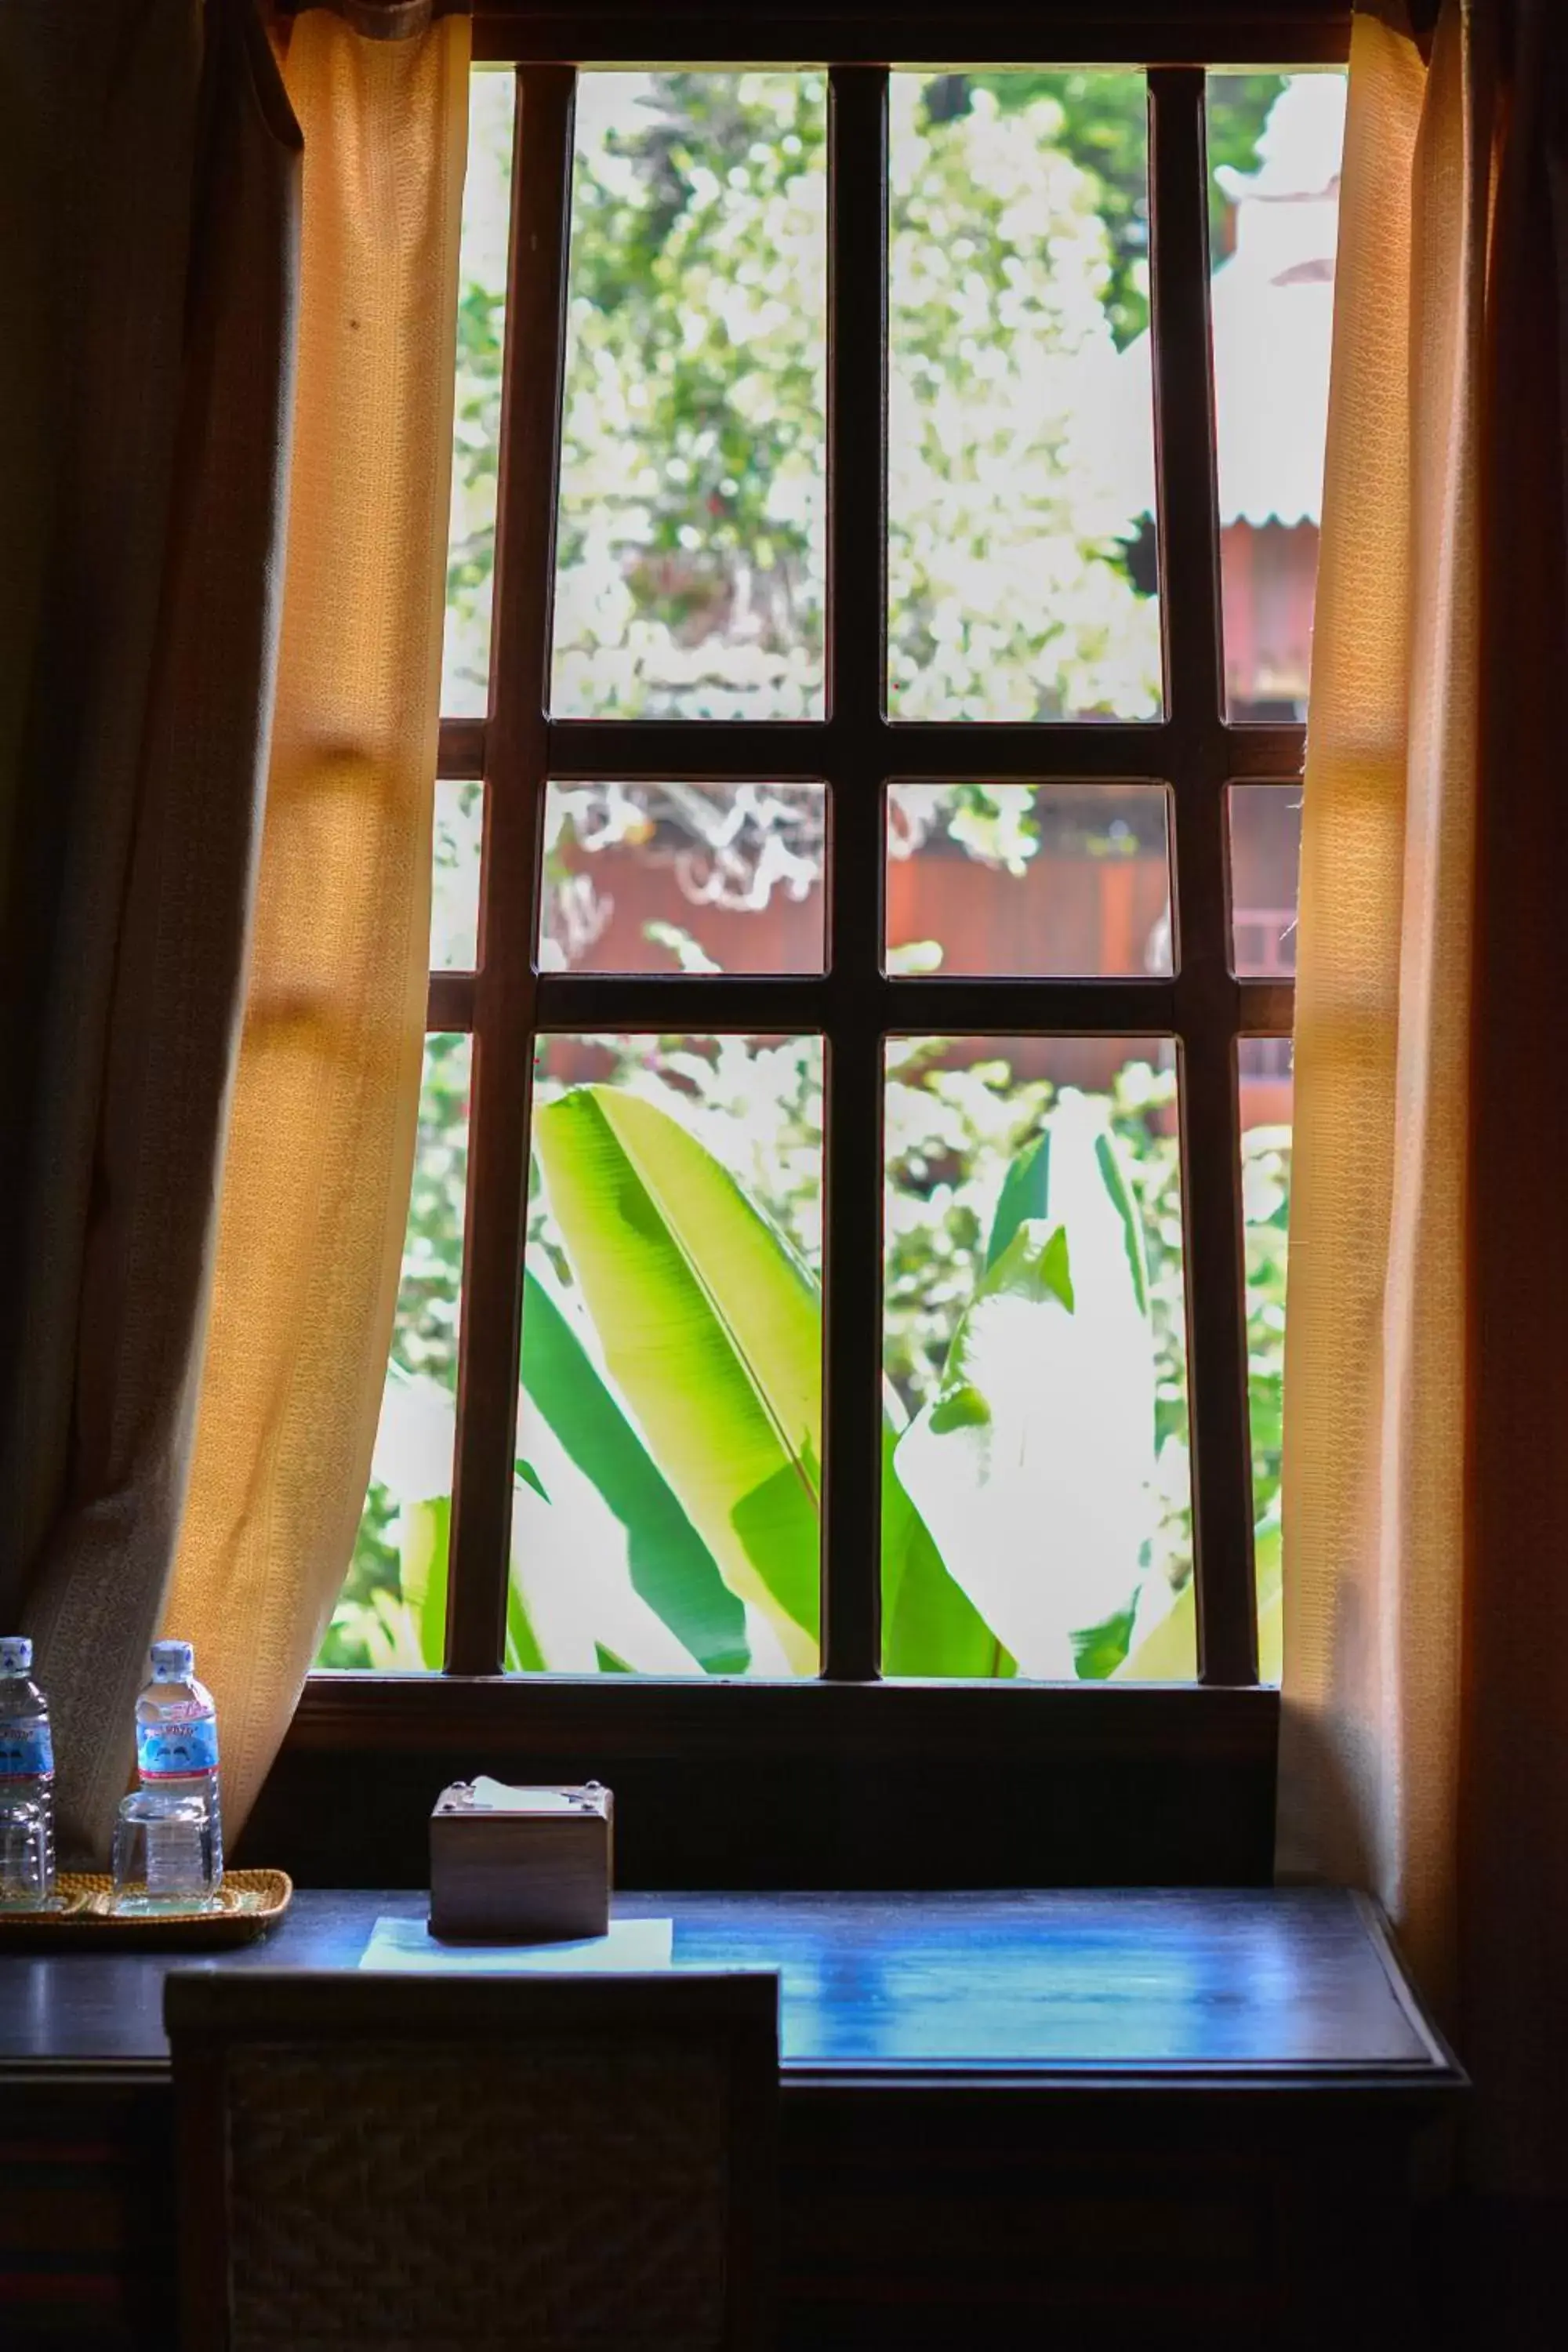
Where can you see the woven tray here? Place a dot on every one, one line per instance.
(252, 1901)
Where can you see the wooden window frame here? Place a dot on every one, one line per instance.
(1193, 751)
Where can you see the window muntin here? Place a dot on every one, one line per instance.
(516, 754)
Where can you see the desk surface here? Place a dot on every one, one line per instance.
(1171, 1987)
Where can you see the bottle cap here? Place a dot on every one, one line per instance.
(174, 1662)
(16, 1654)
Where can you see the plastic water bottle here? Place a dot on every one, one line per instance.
(26, 1780)
(176, 1758)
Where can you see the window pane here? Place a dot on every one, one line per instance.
(1041, 881)
(1265, 1106)
(476, 417)
(1274, 143)
(1020, 553)
(690, 556)
(455, 876)
(392, 1612)
(667, 1509)
(1038, 1518)
(683, 877)
(1264, 875)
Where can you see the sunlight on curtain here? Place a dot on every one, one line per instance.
(150, 190)
(316, 1186)
(1375, 1378)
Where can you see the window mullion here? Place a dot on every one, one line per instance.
(515, 774)
(852, 1239)
(1206, 994)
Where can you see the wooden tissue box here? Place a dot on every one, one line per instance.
(520, 1865)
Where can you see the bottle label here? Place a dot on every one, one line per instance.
(174, 1751)
(26, 1750)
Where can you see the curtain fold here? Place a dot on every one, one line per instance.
(149, 184)
(323, 1131)
(1426, 1685)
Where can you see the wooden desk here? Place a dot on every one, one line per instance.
(1191, 2111)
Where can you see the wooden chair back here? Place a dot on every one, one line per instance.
(420, 2164)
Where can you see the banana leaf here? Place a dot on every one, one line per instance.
(1168, 1652)
(929, 1625)
(569, 1590)
(1090, 1177)
(415, 1443)
(1269, 1570)
(710, 1330)
(569, 1570)
(670, 1566)
(523, 1655)
(1033, 1469)
(695, 1242)
(425, 1535)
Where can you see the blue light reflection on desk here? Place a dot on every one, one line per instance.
(1026, 1980)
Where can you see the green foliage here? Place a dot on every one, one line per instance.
(368, 1627)
(607, 1554)
(710, 1331)
(929, 1625)
(1034, 1465)
(669, 1565)
(1103, 126)
(1266, 1206)
(1101, 122)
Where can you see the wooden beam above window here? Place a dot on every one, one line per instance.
(1133, 32)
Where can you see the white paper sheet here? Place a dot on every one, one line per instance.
(632, 1945)
(491, 1795)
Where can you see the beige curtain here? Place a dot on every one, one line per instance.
(321, 1140)
(148, 184)
(1425, 1719)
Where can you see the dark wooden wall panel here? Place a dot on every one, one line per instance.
(87, 2213)
(947, 1788)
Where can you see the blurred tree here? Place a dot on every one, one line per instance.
(693, 428)
(1104, 119)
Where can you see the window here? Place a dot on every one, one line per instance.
(856, 1095)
